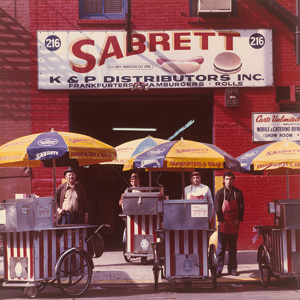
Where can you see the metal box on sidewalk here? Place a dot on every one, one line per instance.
(286, 213)
(18, 215)
(187, 214)
(141, 201)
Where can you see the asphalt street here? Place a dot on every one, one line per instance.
(113, 278)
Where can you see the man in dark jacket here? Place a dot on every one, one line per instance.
(229, 207)
(71, 200)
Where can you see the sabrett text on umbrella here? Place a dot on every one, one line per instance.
(45, 153)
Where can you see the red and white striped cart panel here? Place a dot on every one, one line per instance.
(32, 255)
(186, 253)
(141, 232)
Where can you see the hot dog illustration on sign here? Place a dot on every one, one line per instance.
(180, 66)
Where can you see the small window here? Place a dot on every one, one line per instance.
(102, 9)
(194, 4)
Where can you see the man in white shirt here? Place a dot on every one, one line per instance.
(197, 190)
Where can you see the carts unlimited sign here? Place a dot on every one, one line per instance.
(269, 127)
(160, 59)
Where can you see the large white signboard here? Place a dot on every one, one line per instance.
(275, 126)
(161, 59)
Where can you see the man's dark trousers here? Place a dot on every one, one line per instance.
(223, 239)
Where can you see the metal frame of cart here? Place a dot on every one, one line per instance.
(184, 255)
(37, 254)
(140, 213)
(33, 259)
(279, 254)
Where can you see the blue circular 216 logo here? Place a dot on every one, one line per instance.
(52, 43)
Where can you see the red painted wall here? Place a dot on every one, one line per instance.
(232, 126)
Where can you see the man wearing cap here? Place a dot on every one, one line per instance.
(197, 190)
(134, 181)
(71, 200)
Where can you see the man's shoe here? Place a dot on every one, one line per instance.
(219, 274)
(234, 273)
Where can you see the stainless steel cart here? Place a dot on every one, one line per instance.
(140, 212)
(184, 254)
(279, 254)
(36, 253)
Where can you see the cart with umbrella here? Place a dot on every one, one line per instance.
(184, 254)
(279, 254)
(38, 252)
(137, 239)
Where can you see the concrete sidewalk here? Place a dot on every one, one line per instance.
(111, 268)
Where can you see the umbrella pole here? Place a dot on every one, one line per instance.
(287, 184)
(54, 192)
(150, 179)
(182, 184)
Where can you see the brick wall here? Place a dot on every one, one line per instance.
(15, 118)
(232, 126)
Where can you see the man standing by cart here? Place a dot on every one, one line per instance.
(71, 200)
(197, 190)
(134, 181)
(229, 207)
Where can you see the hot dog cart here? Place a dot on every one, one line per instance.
(279, 254)
(36, 253)
(184, 254)
(140, 211)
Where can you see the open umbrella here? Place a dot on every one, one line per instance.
(183, 155)
(281, 154)
(134, 147)
(65, 147)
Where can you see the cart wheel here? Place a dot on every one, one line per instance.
(144, 260)
(264, 265)
(156, 266)
(156, 275)
(74, 273)
(31, 292)
(212, 258)
(127, 258)
(97, 245)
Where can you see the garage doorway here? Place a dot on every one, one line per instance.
(96, 116)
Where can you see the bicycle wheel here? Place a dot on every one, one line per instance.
(31, 292)
(74, 273)
(156, 266)
(212, 259)
(264, 265)
(127, 258)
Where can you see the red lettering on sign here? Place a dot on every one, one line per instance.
(75, 49)
(138, 44)
(111, 49)
(179, 42)
(229, 38)
(204, 39)
(159, 39)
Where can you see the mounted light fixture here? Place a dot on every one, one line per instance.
(232, 98)
(133, 129)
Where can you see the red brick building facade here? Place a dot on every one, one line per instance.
(26, 109)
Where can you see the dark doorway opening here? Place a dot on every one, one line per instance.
(97, 116)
